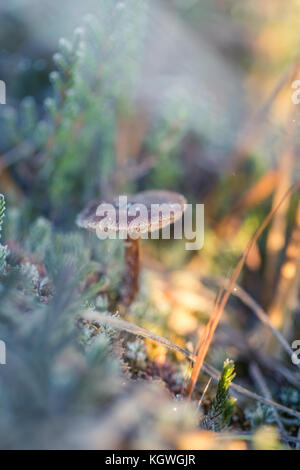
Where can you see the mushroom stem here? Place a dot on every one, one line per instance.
(131, 273)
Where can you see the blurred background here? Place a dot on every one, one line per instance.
(106, 98)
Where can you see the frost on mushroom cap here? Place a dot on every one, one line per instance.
(147, 211)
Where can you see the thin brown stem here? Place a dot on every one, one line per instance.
(239, 292)
(259, 379)
(131, 273)
(217, 312)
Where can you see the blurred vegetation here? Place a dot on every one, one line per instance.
(83, 122)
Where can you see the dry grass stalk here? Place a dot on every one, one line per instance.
(277, 232)
(260, 313)
(259, 379)
(204, 392)
(203, 337)
(114, 322)
(217, 313)
(251, 198)
(287, 285)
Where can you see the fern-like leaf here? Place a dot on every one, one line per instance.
(221, 410)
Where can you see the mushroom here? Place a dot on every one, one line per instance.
(132, 218)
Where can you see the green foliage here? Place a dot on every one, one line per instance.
(63, 373)
(221, 410)
(70, 142)
(259, 415)
(50, 373)
(164, 142)
(290, 397)
(72, 147)
(39, 237)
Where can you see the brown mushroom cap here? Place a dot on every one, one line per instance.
(137, 220)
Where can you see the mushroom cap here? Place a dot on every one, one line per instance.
(145, 212)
